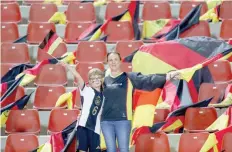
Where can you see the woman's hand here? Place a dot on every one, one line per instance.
(173, 75)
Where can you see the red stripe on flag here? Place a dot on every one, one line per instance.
(57, 142)
(193, 91)
(131, 8)
(170, 25)
(173, 54)
(220, 134)
(35, 70)
(50, 41)
(87, 31)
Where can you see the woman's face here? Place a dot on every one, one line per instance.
(114, 62)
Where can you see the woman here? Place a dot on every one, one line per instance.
(116, 115)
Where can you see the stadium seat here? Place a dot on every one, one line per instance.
(91, 51)
(200, 29)
(30, 2)
(208, 90)
(113, 9)
(187, 6)
(9, 32)
(41, 12)
(126, 67)
(192, 142)
(74, 30)
(152, 142)
(59, 51)
(23, 121)
(125, 48)
(10, 12)
(14, 53)
(5, 67)
(78, 100)
(119, 31)
(46, 96)
(221, 71)
(83, 12)
(226, 29)
(61, 118)
(37, 31)
(225, 10)
(51, 75)
(21, 143)
(156, 10)
(226, 142)
(83, 69)
(7, 1)
(161, 115)
(198, 119)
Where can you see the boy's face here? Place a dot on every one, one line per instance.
(95, 81)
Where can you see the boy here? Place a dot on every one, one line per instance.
(92, 100)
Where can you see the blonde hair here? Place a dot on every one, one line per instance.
(95, 71)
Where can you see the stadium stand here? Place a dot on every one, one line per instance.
(26, 129)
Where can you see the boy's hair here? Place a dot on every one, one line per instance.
(95, 71)
(108, 54)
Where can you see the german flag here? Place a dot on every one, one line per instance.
(50, 42)
(69, 57)
(63, 141)
(17, 105)
(69, 98)
(95, 31)
(8, 91)
(212, 15)
(165, 29)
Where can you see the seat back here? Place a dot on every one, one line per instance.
(199, 118)
(51, 74)
(5, 67)
(14, 53)
(21, 142)
(226, 29)
(114, 9)
(82, 12)
(187, 6)
(42, 12)
(161, 115)
(47, 96)
(126, 67)
(9, 32)
(59, 119)
(91, 51)
(156, 10)
(37, 31)
(225, 10)
(23, 121)
(10, 12)
(152, 142)
(226, 142)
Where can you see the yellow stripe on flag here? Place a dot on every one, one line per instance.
(69, 58)
(28, 78)
(163, 105)
(225, 103)
(226, 56)
(213, 3)
(177, 124)
(220, 123)
(126, 17)
(209, 143)
(58, 18)
(150, 28)
(64, 98)
(57, 2)
(96, 35)
(210, 15)
(54, 45)
(187, 74)
(4, 117)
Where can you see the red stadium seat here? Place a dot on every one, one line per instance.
(119, 31)
(126, 67)
(61, 118)
(74, 30)
(83, 12)
(23, 121)
(226, 29)
(125, 48)
(187, 6)
(9, 32)
(200, 29)
(60, 50)
(226, 142)
(113, 9)
(10, 12)
(37, 31)
(21, 142)
(8, 1)
(152, 143)
(14, 53)
(156, 10)
(46, 96)
(161, 115)
(221, 70)
(192, 142)
(83, 69)
(225, 10)
(208, 90)
(198, 119)
(30, 2)
(5, 67)
(51, 74)
(91, 51)
(42, 12)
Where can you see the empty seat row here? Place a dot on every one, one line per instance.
(77, 12)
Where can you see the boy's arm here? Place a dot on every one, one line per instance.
(80, 81)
